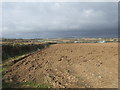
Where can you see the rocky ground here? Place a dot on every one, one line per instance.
(69, 66)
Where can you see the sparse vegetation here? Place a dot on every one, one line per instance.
(24, 85)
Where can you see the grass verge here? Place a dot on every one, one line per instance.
(24, 85)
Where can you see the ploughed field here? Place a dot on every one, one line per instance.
(85, 65)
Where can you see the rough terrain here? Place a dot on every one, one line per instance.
(91, 65)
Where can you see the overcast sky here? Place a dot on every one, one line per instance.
(54, 20)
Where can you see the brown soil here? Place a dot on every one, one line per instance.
(70, 65)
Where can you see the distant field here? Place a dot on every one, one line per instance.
(91, 65)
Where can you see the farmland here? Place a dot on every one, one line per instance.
(67, 65)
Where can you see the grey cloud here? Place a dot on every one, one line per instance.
(20, 18)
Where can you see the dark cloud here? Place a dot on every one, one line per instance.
(44, 20)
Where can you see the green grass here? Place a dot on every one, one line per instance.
(34, 85)
(25, 85)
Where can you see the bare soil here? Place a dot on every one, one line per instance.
(70, 66)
